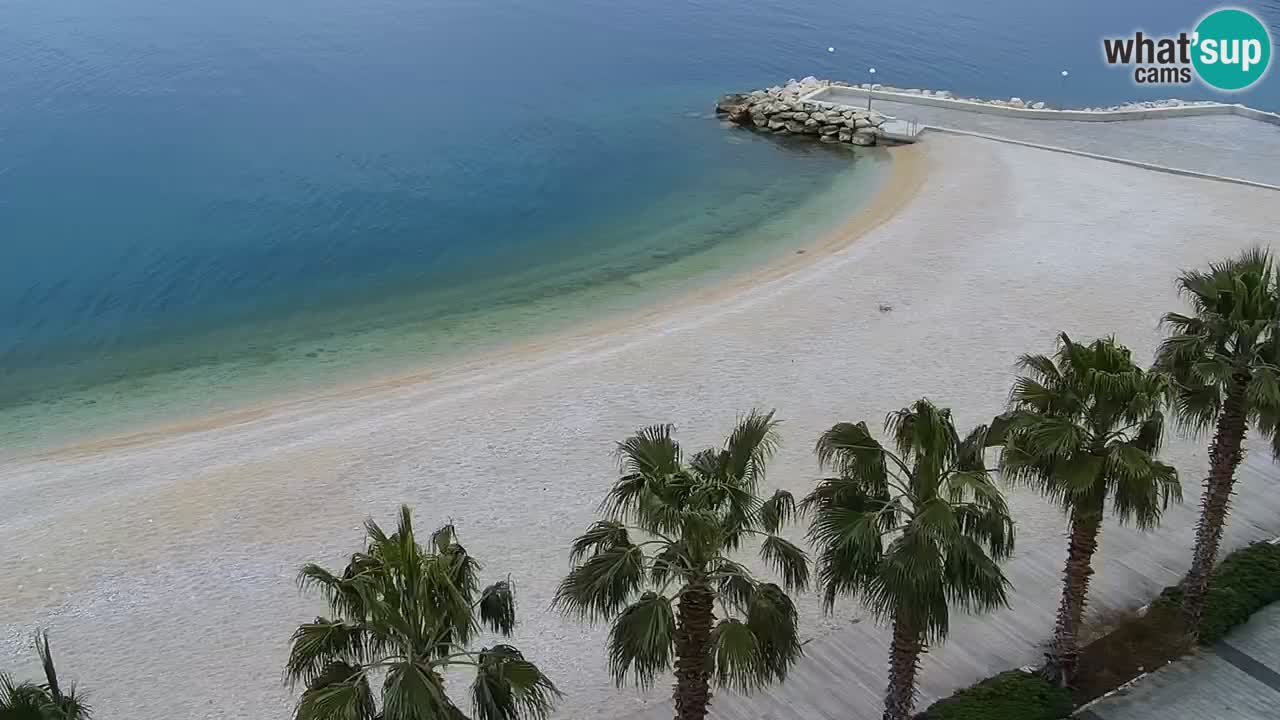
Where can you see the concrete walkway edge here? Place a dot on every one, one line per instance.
(1107, 158)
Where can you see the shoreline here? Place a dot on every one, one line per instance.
(907, 172)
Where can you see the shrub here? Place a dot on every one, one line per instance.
(1242, 584)
(1013, 695)
(1245, 582)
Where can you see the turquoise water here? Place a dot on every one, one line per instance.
(203, 203)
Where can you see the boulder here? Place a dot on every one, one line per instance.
(820, 117)
(784, 115)
(811, 122)
(845, 136)
(800, 115)
(781, 131)
(829, 139)
(1037, 106)
(1016, 102)
(829, 129)
(737, 106)
(862, 123)
(775, 123)
(863, 137)
(945, 94)
(759, 120)
(851, 123)
(795, 126)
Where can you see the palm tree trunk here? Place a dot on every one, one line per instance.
(1224, 456)
(695, 615)
(1086, 521)
(904, 660)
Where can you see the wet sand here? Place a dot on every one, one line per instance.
(166, 559)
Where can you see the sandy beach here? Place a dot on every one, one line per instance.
(163, 562)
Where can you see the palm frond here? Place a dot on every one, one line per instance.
(670, 563)
(733, 583)
(651, 452)
(737, 656)
(414, 691)
(497, 607)
(316, 646)
(973, 579)
(340, 691)
(788, 560)
(600, 587)
(1142, 487)
(46, 662)
(72, 704)
(508, 687)
(851, 451)
(641, 640)
(750, 446)
(777, 511)
(772, 618)
(602, 535)
(22, 701)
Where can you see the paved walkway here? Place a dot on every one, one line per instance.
(1239, 679)
(842, 676)
(1227, 145)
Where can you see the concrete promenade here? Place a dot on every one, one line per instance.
(1226, 145)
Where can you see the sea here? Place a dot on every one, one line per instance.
(204, 205)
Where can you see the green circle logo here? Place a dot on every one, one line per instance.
(1232, 49)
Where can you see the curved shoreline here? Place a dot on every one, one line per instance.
(1002, 247)
(907, 172)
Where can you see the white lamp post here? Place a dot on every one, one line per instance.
(872, 71)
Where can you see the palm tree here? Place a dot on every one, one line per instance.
(1225, 362)
(1084, 427)
(50, 701)
(909, 532)
(406, 614)
(659, 567)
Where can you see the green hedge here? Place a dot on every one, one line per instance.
(1012, 695)
(1242, 584)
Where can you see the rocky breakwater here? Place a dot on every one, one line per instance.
(781, 110)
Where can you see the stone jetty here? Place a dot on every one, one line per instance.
(782, 110)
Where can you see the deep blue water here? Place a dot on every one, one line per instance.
(179, 181)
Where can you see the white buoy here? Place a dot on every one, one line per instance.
(831, 49)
